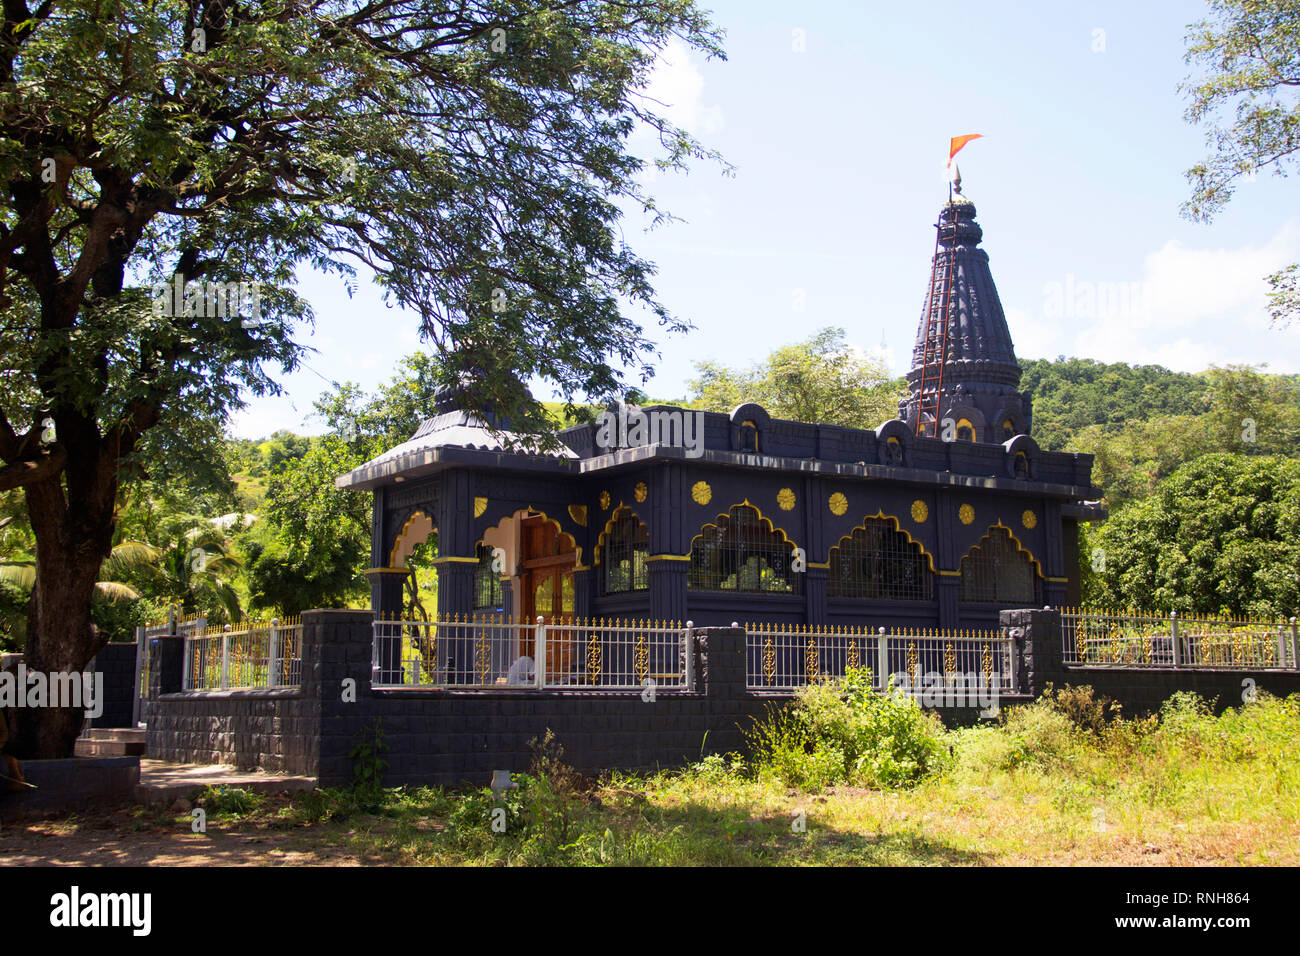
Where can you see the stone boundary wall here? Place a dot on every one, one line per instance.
(453, 737)
(447, 737)
(74, 782)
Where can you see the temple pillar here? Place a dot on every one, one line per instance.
(584, 580)
(949, 608)
(455, 585)
(386, 591)
(814, 583)
(668, 577)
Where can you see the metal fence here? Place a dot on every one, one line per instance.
(246, 655)
(1151, 639)
(491, 650)
(175, 625)
(786, 657)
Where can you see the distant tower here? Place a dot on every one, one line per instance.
(963, 365)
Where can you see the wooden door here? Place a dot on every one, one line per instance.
(548, 558)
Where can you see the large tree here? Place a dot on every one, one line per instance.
(1221, 534)
(474, 156)
(1245, 95)
(821, 379)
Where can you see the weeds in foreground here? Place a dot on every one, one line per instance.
(1047, 783)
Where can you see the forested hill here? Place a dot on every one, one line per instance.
(1142, 422)
(1072, 393)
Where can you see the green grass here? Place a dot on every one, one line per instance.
(1038, 787)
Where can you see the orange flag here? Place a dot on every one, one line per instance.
(958, 142)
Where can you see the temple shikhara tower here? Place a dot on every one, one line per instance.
(964, 376)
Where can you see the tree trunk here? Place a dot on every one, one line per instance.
(73, 536)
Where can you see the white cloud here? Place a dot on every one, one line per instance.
(1189, 309)
(678, 85)
(1190, 285)
(1032, 337)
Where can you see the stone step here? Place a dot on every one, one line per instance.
(162, 783)
(90, 747)
(113, 733)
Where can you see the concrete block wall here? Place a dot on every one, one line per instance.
(117, 663)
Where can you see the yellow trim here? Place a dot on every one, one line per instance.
(761, 517)
(1038, 568)
(668, 557)
(950, 574)
(958, 427)
(480, 506)
(392, 552)
(452, 559)
(819, 564)
(387, 571)
(579, 515)
(1058, 580)
(898, 526)
(613, 515)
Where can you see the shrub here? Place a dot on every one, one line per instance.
(846, 732)
(1083, 707)
(1040, 736)
(369, 766)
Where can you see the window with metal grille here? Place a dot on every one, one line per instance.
(880, 562)
(623, 555)
(743, 553)
(487, 582)
(997, 571)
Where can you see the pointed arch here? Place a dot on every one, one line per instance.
(999, 570)
(624, 544)
(743, 551)
(878, 560)
(415, 531)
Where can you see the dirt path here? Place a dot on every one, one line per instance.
(114, 837)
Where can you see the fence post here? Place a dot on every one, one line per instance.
(1010, 648)
(272, 662)
(225, 657)
(171, 619)
(375, 638)
(1176, 643)
(882, 659)
(141, 649)
(1295, 646)
(688, 649)
(539, 660)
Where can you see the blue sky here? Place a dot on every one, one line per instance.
(839, 149)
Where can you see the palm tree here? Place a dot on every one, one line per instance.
(124, 557)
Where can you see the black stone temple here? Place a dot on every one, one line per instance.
(936, 519)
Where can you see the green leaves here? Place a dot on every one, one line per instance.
(1221, 534)
(1249, 53)
(821, 379)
